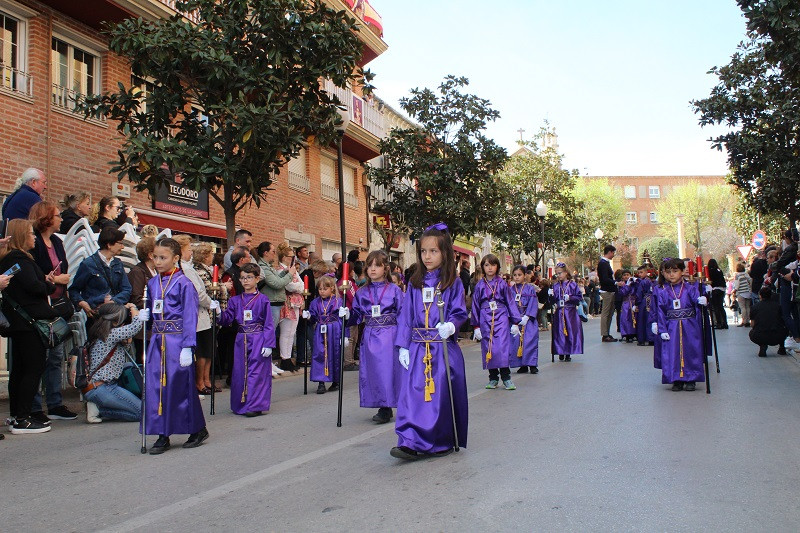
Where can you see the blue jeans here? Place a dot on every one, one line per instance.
(788, 308)
(51, 379)
(115, 402)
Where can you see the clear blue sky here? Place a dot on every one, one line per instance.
(614, 78)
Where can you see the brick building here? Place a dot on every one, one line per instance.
(52, 49)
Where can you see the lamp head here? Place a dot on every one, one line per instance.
(541, 209)
(344, 115)
(598, 234)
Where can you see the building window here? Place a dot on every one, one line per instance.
(630, 217)
(327, 175)
(630, 192)
(349, 182)
(143, 89)
(653, 217)
(75, 73)
(655, 191)
(12, 56)
(297, 173)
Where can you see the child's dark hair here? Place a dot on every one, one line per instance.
(251, 268)
(108, 316)
(492, 260)
(765, 292)
(379, 258)
(173, 246)
(669, 264)
(521, 268)
(447, 270)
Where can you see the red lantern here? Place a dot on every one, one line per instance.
(215, 276)
(691, 268)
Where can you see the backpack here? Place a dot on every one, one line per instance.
(79, 364)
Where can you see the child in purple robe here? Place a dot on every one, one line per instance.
(171, 401)
(325, 313)
(680, 328)
(251, 376)
(525, 348)
(495, 317)
(377, 305)
(565, 296)
(425, 419)
(644, 307)
(627, 314)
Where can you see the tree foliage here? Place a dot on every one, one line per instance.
(601, 206)
(233, 97)
(445, 169)
(746, 220)
(657, 248)
(701, 206)
(758, 97)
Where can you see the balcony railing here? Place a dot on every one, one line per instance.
(299, 182)
(65, 98)
(363, 113)
(16, 81)
(193, 16)
(332, 194)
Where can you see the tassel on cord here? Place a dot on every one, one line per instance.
(325, 344)
(521, 341)
(246, 357)
(680, 338)
(491, 338)
(163, 379)
(430, 388)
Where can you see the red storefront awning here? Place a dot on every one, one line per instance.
(182, 226)
(463, 250)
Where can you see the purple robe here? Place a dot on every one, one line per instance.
(427, 426)
(495, 324)
(380, 372)
(566, 296)
(682, 355)
(174, 328)
(646, 313)
(627, 318)
(527, 303)
(251, 377)
(326, 347)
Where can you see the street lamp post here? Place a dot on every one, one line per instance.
(344, 114)
(598, 234)
(541, 212)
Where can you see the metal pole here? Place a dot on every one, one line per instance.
(144, 375)
(213, 355)
(345, 283)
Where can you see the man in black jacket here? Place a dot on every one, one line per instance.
(785, 292)
(607, 289)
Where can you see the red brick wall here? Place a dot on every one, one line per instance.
(75, 154)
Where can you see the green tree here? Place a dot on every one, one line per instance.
(601, 207)
(745, 220)
(657, 248)
(701, 206)
(445, 169)
(233, 98)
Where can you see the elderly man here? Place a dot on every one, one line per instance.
(28, 191)
(243, 239)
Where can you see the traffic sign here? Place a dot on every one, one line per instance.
(744, 250)
(759, 240)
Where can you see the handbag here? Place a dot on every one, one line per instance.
(80, 363)
(5, 325)
(63, 307)
(52, 331)
(131, 379)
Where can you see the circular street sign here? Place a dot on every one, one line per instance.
(759, 239)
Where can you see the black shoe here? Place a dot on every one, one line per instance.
(567, 358)
(401, 452)
(61, 413)
(40, 417)
(196, 439)
(23, 426)
(522, 370)
(609, 338)
(321, 388)
(383, 415)
(251, 414)
(534, 370)
(560, 357)
(678, 385)
(334, 386)
(690, 386)
(287, 365)
(351, 367)
(762, 352)
(161, 445)
(781, 351)
(641, 344)
(442, 453)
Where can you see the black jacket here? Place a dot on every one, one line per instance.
(102, 222)
(28, 288)
(68, 219)
(42, 258)
(606, 275)
(757, 271)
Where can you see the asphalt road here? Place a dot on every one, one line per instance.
(597, 444)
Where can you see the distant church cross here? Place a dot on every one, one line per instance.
(520, 131)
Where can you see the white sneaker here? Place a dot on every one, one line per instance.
(92, 413)
(790, 344)
(276, 370)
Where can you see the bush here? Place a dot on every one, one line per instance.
(658, 248)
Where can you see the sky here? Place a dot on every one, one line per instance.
(614, 78)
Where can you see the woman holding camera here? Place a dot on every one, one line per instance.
(111, 213)
(29, 289)
(104, 397)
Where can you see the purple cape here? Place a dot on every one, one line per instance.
(682, 355)
(326, 347)
(567, 337)
(527, 305)
(495, 325)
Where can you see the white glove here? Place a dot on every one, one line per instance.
(792, 265)
(524, 320)
(635, 309)
(476, 336)
(344, 313)
(144, 315)
(665, 336)
(445, 329)
(346, 342)
(266, 352)
(702, 300)
(630, 281)
(515, 330)
(214, 306)
(186, 356)
(306, 314)
(404, 357)
(550, 292)
(654, 328)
